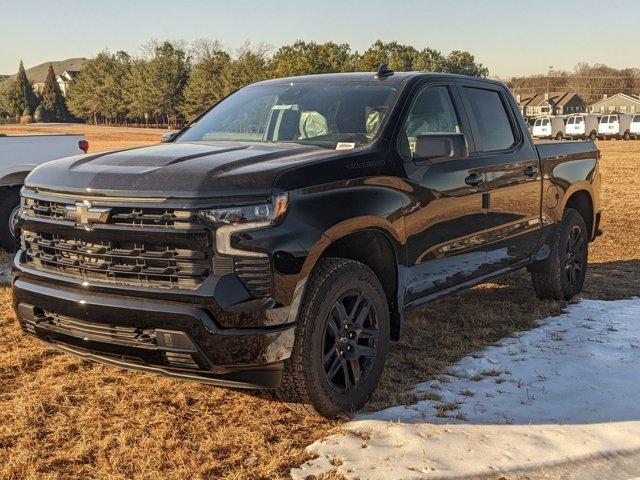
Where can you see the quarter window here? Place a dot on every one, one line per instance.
(491, 118)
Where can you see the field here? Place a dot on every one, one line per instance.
(61, 418)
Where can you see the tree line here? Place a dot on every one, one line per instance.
(591, 82)
(170, 82)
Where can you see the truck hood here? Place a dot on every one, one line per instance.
(176, 170)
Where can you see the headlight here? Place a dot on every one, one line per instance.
(231, 220)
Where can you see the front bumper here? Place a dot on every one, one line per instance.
(176, 339)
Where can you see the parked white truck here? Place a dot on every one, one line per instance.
(548, 127)
(616, 125)
(582, 126)
(635, 127)
(19, 154)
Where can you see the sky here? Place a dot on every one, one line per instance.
(509, 37)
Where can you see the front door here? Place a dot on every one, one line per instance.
(446, 222)
(512, 175)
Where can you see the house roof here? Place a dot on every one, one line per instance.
(623, 96)
(557, 98)
(38, 74)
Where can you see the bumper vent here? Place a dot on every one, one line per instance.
(255, 273)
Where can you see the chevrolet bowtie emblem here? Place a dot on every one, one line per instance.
(85, 215)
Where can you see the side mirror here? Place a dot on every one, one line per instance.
(434, 147)
(167, 137)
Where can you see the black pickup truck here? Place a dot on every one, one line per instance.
(277, 241)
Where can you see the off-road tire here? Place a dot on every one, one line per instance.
(304, 378)
(9, 201)
(550, 278)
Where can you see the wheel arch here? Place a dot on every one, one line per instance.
(581, 200)
(374, 243)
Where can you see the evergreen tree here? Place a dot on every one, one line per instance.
(206, 84)
(249, 66)
(399, 57)
(53, 101)
(305, 58)
(156, 83)
(24, 98)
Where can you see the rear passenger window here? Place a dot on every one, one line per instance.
(491, 118)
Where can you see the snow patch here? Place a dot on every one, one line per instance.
(566, 390)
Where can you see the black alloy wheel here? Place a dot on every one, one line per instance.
(574, 255)
(350, 341)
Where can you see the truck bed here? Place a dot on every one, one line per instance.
(550, 149)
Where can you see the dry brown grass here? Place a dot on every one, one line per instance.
(61, 418)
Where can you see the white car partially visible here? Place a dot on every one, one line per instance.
(19, 154)
(635, 127)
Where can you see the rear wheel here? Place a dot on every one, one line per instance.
(559, 136)
(342, 339)
(9, 208)
(593, 136)
(562, 275)
(626, 136)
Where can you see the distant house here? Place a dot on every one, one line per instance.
(619, 103)
(552, 103)
(65, 71)
(523, 101)
(65, 78)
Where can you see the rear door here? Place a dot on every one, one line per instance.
(512, 174)
(445, 224)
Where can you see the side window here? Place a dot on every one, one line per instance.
(432, 111)
(491, 118)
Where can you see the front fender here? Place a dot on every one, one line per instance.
(320, 215)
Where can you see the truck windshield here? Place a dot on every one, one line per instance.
(337, 115)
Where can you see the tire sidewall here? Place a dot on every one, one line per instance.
(351, 276)
(9, 200)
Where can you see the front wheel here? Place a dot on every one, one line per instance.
(561, 276)
(9, 209)
(342, 339)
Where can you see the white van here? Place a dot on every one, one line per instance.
(615, 125)
(635, 127)
(548, 127)
(582, 126)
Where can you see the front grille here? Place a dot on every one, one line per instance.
(139, 246)
(122, 216)
(134, 263)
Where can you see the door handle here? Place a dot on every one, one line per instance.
(474, 179)
(530, 171)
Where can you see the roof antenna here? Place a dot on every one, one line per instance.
(383, 71)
